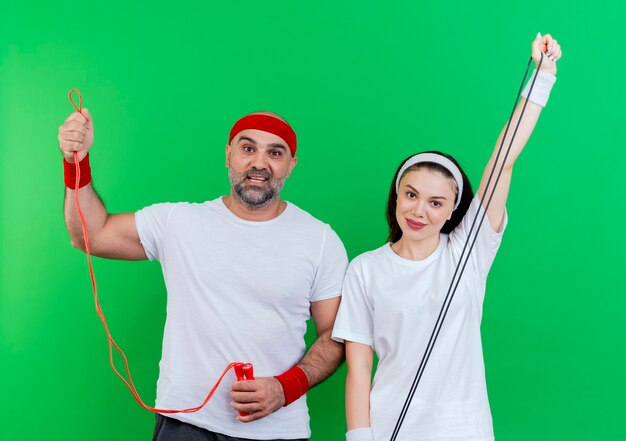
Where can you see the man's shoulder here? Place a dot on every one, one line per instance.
(177, 209)
(169, 206)
(303, 224)
(300, 215)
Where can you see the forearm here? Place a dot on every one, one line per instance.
(517, 131)
(500, 157)
(525, 129)
(322, 358)
(360, 359)
(358, 385)
(94, 212)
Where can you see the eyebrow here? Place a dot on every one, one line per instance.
(274, 145)
(246, 138)
(432, 197)
(278, 146)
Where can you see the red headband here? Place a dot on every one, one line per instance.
(268, 124)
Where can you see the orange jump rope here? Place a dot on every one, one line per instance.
(243, 371)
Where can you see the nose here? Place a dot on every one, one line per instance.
(259, 161)
(418, 209)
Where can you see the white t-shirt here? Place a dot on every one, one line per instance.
(392, 303)
(237, 291)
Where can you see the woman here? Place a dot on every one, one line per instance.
(393, 295)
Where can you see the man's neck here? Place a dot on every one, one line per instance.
(271, 211)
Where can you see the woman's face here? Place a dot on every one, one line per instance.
(425, 202)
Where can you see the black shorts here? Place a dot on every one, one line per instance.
(169, 429)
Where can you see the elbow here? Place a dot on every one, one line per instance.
(325, 334)
(79, 244)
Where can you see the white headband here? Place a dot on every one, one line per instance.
(437, 159)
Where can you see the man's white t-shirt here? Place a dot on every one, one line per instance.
(237, 291)
(392, 303)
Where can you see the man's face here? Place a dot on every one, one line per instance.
(258, 164)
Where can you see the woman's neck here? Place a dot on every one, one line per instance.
(416, 249)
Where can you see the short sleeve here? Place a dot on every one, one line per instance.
(331, 268)
(487, 242)
(151, 224)
(355, 318)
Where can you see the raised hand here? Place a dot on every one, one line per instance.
(550, 48)
(76, 135)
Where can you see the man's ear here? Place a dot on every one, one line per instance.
(227, 155)
(292, 165)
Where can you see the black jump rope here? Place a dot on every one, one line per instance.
(463, 259)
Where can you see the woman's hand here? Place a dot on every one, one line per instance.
(551, 50)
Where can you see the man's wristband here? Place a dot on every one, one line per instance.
(69, 171)
(295, 384)
(361, 434)
(541, 89)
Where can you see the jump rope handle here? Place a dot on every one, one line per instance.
(243, 372)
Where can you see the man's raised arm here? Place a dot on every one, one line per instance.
(113, 236)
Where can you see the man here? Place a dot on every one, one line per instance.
(243, 273)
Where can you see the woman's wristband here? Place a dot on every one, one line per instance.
(360, 434)
(295, 384)
(69, 171)
(541, 89)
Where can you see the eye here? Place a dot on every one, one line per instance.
(436, 204)
(248, 148)
(410, 195)
(276, 153)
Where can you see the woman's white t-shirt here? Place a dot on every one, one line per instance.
(392, 303)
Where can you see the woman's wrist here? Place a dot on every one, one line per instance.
(548, 67)
(540, 89)
(360, 434)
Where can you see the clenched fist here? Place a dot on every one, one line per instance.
(76, 135)
(258, 398)
(551, 50)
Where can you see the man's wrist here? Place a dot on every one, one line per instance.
(69, 172)
(295, 384)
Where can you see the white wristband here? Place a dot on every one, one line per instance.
(541, 89)
(361, 434)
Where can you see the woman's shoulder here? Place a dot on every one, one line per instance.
(369, 258)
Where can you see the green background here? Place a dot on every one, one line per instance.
(364, 84)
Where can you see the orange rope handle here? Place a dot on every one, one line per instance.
(128, 381)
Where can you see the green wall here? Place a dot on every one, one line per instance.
(364, 84)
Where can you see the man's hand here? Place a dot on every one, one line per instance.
(551, 50)
(258, 398)
(76, 135)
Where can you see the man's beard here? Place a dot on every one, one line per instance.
(252, 196)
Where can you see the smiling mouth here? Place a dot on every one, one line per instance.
(415, 225)
(257, 179)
